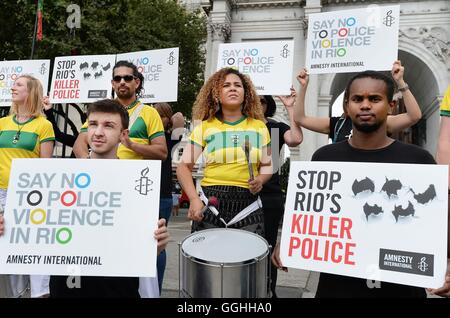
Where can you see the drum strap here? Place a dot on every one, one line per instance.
(256, 205)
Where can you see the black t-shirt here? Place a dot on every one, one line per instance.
(274, 127)
(340, 128)
(166, 168)
(331, 285)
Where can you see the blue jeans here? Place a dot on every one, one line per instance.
(165, 210)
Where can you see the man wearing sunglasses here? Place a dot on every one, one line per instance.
(146, 139)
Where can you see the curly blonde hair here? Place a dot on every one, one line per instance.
(207, 103)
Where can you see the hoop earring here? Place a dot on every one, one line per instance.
(217, 104)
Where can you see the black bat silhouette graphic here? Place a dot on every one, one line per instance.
(368, 210)
(84, 65)
(399, 211)
(98, 74)
(364, 185)
(86, 75)
(391, 187)
(426, 196)
(94, 65)
(107, 67)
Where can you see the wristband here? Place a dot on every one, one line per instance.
(404, 88)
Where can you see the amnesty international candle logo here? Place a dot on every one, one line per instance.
(144, 183)
(285, 51)
(47, 216)
(43, 70)
(389, 19)
(171, 60)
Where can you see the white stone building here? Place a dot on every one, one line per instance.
(424, 49)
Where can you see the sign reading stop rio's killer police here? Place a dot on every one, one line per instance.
(385, 222)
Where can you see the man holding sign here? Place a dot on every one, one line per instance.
(367, 101)
(107, 126)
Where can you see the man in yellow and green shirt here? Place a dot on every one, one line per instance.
(146, 138)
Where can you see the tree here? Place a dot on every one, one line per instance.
(108, 27)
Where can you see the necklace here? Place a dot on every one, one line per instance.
(19, 129)
(132, 104)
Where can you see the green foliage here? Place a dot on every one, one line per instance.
(108, 27)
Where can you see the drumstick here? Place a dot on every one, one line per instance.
(213, 204)
(247, 146)
(212, 201)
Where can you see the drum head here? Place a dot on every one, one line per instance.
(222, 246)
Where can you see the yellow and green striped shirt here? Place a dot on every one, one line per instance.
(33, 133)
(222, 147)
(445, 105)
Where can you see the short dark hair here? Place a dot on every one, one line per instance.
(136, 73)
(374, 75)
(110, 106)
(271, 106)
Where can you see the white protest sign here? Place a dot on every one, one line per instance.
(81, 79)
(385, 222)
(269, 64)
(160, 70)
(353, 40)
(70, 213)
(11, 70)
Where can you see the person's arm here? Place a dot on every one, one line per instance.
(443, 148)
(156, 150)
(294, 136)
(265, 170)
(276, 259)
(177, 125)
(46, 149)
(81, 146)
(157, 147)
(443, 158)
(162, 236)
(265, 173)
(191, 153)
(317, 124)
(46, 139)
(396, 123)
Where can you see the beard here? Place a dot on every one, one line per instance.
(124, 95)
(367, 128)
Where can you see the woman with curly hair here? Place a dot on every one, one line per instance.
(228, 117)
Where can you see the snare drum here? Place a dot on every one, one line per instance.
(224, 263)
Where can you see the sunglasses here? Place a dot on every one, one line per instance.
(126, 78)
